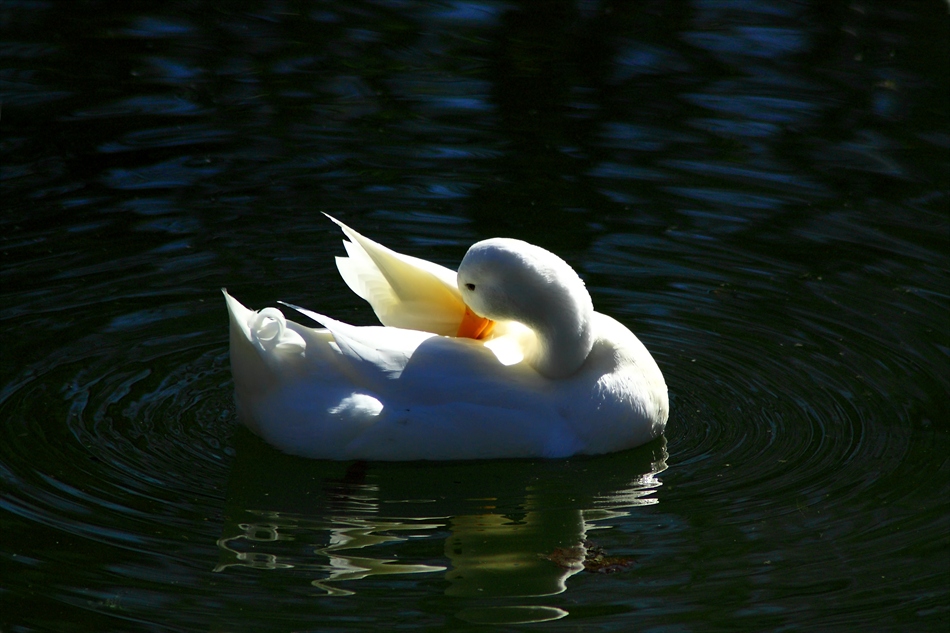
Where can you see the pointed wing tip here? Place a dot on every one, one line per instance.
(347, 231)
(292, 306)
(342, 226)
(310, 314)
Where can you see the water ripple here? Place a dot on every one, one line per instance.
(775, 408)
(134, 445)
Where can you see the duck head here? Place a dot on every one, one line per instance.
(503, 279)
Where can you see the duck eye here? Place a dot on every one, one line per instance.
(470, 287)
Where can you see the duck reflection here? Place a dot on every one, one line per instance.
(498, 555)
(346, 535)
(508, 529)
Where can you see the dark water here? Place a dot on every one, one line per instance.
(758, 189)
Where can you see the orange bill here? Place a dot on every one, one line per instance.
(474, 326)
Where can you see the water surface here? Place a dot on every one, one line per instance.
(758, 190)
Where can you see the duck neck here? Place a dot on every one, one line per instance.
(563, 340)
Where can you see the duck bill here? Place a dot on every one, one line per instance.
(474, 326)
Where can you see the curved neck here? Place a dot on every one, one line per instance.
(511, 280)
(564, 339)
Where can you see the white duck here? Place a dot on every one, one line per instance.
(507, 358)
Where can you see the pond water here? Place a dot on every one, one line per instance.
(759, 190)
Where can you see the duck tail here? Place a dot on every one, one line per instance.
(261, 347)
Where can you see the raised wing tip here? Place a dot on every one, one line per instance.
(347, 231)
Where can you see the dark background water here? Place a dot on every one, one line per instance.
(758, 189)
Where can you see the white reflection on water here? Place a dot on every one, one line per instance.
(508, 530)
(345, 534)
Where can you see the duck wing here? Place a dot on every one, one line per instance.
(404, 291)
(381, 352)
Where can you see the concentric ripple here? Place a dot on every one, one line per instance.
(127, 428)
(790, 401)
(779, 374)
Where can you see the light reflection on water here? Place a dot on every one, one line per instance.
(503, 531)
